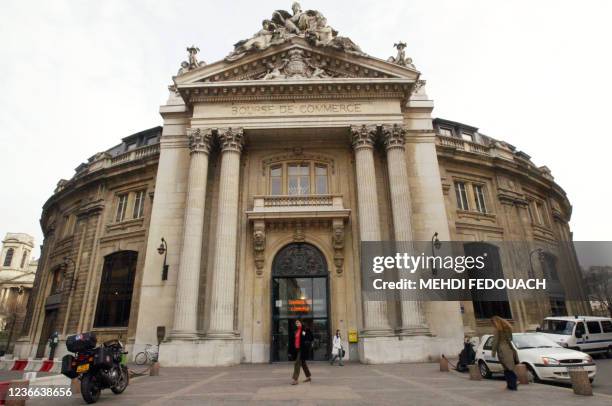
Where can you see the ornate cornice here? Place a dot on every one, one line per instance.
(231, 139)
(296, 90)
(363, 136)
(199, 139)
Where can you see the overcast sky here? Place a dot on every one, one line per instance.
(79, 75)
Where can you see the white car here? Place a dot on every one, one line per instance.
(545, 359)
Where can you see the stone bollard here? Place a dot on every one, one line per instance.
(154, 371)
(75, 386)
(521, 373)
(18, 388)
(474, 372)
(580, 382)
(443, 364)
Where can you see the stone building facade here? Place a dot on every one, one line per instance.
(16, 279)
(247, 208)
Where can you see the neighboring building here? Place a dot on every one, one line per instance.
(272, 166)
(17, 270)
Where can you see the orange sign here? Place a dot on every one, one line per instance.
(299, 305)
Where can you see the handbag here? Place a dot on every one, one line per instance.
(342, 352)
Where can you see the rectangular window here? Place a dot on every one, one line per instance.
(321, 179)
(467, 137)
(57, 281)
(139, 204)
(479, 195)
(557, 307)
(298, 179)
(607, 326)
(541, 213)
(446, 132)
(461, 193)
(121, 207)
(276, 180)
(593, 327)
(69, 221)
(116, 289)
(8, 257)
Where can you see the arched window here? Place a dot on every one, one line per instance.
(9, 257)
(484, 309)
(116, 287)
(23, 258)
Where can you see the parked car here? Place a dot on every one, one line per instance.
(582, 333)
(545, 359)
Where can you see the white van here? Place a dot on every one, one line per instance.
(582, 333)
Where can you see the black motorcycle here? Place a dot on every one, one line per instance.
(97, 367)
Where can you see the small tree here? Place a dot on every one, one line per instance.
(599, 282)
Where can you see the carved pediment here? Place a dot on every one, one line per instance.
(296, 60)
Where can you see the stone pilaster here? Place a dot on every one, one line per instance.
(224, 269)
(413, 320)
(185, 310)
(375, 318)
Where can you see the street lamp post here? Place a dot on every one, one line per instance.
(163, 250)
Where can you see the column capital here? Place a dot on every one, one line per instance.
(363, 136)
(394, 136)
(231, 139)
(199, 139)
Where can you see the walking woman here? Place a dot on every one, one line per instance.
(337, 348)
(303, 339)
(502, 346)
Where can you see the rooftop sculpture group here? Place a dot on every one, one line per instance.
(192, 62)
(400, 58)
(310, 25)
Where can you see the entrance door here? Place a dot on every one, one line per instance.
(47, 329)
(300, 287)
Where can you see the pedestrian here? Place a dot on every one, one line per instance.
(303, 340)
(502, 346)
(337, 350)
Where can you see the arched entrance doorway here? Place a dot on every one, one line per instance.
(300, 290)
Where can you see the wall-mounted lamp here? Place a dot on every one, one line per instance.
(435, 245)
(163, 250)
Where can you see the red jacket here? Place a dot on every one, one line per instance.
(298, 336)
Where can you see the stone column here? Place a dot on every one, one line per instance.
(413, 320)
(375, 318)
(224, 270)
(187, 285)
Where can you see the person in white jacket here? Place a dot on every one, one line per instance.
(337, 351)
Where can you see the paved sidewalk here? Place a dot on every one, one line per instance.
(353, 384)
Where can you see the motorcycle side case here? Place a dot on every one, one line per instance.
(67, 368)
(103, 358)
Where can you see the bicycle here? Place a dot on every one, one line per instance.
(150, 354)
